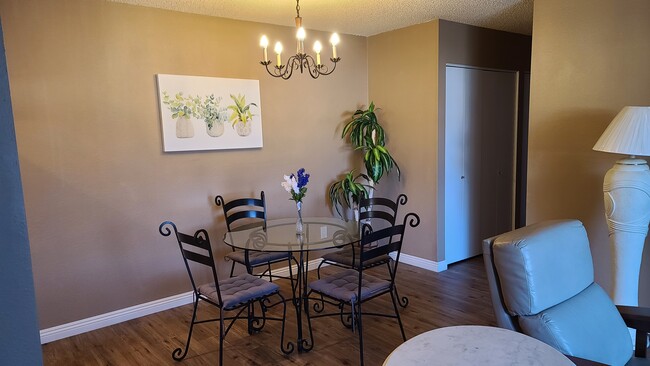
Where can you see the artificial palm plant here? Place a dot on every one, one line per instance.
(348, 192)
(368, 136)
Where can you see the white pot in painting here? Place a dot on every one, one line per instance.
(184, 128)
(214, 129)
(243, 129)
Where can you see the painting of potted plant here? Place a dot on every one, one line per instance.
(189, 105)
(182, 110)
(213, 116)
(241, 114)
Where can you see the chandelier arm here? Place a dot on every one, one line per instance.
(325, 70)
(276, 71)
(272, 73)
(292, 64)
(302, 62)
(310, 64)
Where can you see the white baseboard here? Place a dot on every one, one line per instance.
(137, 311)
(284, 271)
(114, 317)
(429, 265)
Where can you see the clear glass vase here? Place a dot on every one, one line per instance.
(299, 226)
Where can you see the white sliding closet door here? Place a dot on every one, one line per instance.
(480, 123)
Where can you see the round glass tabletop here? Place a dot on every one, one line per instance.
(280, 235)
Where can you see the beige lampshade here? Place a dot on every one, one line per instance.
(628, 133)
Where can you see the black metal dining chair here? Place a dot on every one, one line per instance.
(379, 213)
(245, 213)
(238, 294)
(353, 287)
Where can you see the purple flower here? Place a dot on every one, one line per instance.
(303, 178)
(296, 184)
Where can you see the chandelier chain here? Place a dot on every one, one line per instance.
(298, 8)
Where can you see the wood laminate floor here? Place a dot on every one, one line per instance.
(457, 296)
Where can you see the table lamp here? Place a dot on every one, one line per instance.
(626, 191)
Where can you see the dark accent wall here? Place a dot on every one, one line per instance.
(462, 44)
(19, 338)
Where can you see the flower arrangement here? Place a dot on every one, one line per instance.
(296, 184)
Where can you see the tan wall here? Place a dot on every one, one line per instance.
(96, 182)
(402, 74)
(590, 58)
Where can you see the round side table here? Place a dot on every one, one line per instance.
(474, 345)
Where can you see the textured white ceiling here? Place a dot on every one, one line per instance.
(361, 17)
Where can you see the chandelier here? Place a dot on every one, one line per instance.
(301, 60)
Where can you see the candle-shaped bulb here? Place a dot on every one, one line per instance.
(278, 51)
(334, 40)
(264, 42)
(317, 48)
(301, 34)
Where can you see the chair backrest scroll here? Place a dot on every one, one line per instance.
(195, 248)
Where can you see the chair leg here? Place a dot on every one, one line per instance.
(293, 289)
(318, 269)
(359, 324)
(402, 301)
(319, 307)
(259, 322)
(232, 268)
(268, 266)
(399, 320)
(352, 317)
(250, 312)
(221, 336)
(307, 345)
(348, 323)
(178, 353)
(289, 346)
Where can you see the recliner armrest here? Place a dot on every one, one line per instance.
(639, 319)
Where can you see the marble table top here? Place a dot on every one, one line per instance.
(474, 345)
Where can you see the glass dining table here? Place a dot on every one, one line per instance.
(280, 235)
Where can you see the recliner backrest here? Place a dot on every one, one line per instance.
(542, 282)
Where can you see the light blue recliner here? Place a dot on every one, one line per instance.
(542, 284)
